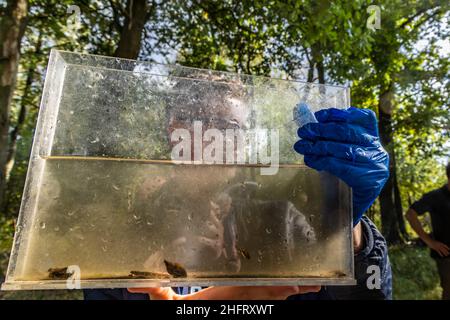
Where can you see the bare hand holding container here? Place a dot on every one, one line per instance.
(154, 175)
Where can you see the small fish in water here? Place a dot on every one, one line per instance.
(243, 252)
(58, 273)
(175, 269)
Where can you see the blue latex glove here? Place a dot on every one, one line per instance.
(346, 144)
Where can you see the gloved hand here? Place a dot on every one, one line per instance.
(346, 144)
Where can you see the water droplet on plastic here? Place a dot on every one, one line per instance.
(268, 230)
(95, 140)
(42, 225)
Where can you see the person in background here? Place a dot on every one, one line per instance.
(437, 203)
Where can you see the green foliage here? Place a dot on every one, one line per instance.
(330, 38)
(6, 233)
(417, 175)
(224, 35)
(415, 274)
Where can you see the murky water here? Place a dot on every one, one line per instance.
(112, 218)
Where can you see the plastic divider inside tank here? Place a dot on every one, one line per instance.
(144, 174)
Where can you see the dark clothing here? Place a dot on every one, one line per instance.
(437, 203)
(443, 266)
(374, 253)
(112, 294)
(123, 294)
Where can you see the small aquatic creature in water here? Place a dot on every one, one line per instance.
(147, 275)
(58, 273)
(340, 274)
(140, 275)
(243, 252)
(175, 269)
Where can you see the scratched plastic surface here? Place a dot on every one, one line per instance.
(104, 194)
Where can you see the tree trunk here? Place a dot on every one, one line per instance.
(310, 73)
(399, 206)
(389, 217)
(136, 15)
(22, 113)
(12, 27)
(317, 59)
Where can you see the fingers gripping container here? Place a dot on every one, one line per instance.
(144, 175)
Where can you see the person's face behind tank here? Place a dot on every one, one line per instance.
(220, 111)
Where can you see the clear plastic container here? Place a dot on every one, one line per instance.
(144, 174)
